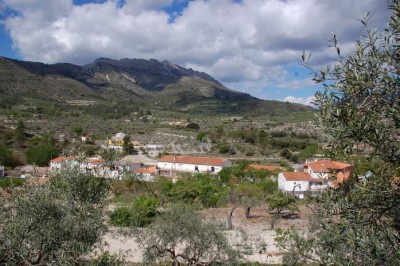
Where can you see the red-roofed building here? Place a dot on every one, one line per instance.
(62, 162)
(296, 183)
(317, 176)
(329, 170)
(170, 165)
(146, 174)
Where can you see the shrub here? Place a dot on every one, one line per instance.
(144, 210)
(41, 154)
(121, 217)
(11, 182)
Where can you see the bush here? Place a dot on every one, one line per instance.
(55, 224)
(203, 189)
(144, 210)
(41, 154)
(193, 126)
(11, 182)
(200, 136)
(121, 217)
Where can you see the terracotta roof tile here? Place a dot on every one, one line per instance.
(297, 176)
(192, 160)
(327, 165)
(59, 159)
(149, 170)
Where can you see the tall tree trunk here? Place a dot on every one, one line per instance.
(229, 217)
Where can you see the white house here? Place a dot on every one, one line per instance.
(295, 183)
(170, 165)
(62, 162)
(315, 177)
(328, 170)
(146, 174)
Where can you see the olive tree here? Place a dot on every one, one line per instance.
(359, 223)
(55, 223)
(179, 236)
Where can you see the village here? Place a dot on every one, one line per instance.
(305, 180)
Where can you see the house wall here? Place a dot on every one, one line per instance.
(299, 186)
(189, 167)
(317, 174)
(281, 182)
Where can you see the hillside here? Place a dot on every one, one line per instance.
(138, 82)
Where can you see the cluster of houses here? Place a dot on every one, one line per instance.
(315, 176)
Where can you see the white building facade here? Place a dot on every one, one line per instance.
(170, 165)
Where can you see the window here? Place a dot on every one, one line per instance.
(212, 169)
(196, 168)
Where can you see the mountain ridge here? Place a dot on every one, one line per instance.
(151, 83)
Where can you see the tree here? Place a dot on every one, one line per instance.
(77, 130)
(19, 134)
(127, 145)
(5, 156)
(249, 194)
(56, 223)
(358, 223)
(179, 236)
(41, 154)
(278, 202)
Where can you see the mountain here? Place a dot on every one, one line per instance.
(149, 83)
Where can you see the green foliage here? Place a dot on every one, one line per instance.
(121, 217)
(200, 189)
(144, 210)
(268, 186)
(286, 154)
(53, 224)
(127, 145)
(77, 130)
(358, 223)
(249, 195)
(308, 152)
(19, 134)
(141, 213)
(6, 158)
(200, 136)
(179, 236)
(41, 154)
(280, 201)
(11, 182)
(107, 259)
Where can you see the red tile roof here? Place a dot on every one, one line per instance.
(192, 160)
(327, 165)
(59, 159)
(263, 167)
(297, 176)
(149, 170)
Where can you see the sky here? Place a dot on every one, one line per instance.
(252, 46)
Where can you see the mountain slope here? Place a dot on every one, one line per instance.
(131, 81)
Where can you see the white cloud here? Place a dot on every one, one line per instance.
(306, 101)
(247, 42)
